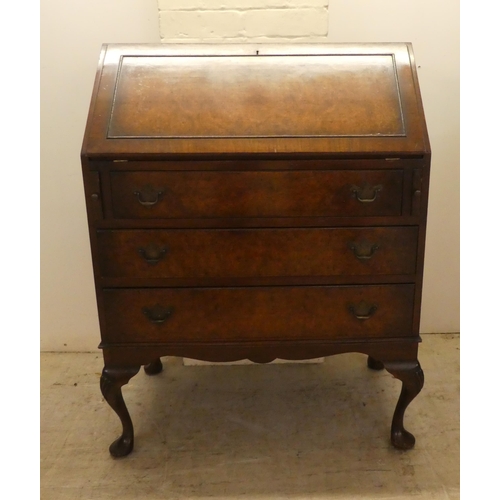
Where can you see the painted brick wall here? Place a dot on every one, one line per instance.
(243, 20)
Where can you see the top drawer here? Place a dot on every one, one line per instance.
(337, 193)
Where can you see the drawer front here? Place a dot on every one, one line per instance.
(257, 252)
(341, 193)
(258, 313)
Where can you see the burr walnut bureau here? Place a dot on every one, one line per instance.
(257, 202)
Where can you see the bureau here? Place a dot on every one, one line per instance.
(257, 202)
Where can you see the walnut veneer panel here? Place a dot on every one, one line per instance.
(248, 96)
(152, 195)
(269, 99)
(258, 313)
(257, 252)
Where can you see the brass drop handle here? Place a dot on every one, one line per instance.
(152, 254)
(158, 314)
(363, 310)
(148, 196)
(363, 250)
(367, 193)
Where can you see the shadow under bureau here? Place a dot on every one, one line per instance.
(257, 202)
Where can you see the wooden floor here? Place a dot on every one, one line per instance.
(298, 431)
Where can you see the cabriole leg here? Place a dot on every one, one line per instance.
(112, 380)
(412, 377)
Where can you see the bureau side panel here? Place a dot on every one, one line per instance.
(95, 215)
(421, 190)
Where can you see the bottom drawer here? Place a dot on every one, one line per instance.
(257, 313)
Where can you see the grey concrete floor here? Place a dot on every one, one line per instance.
(298, 431)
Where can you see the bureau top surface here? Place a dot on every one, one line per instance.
(211, 99)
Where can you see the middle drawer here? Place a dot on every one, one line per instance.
(240, 253)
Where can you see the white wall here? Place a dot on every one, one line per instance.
(72, 33)
(433, 29)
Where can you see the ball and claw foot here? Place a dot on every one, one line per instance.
(373, 364)
(154, 367)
